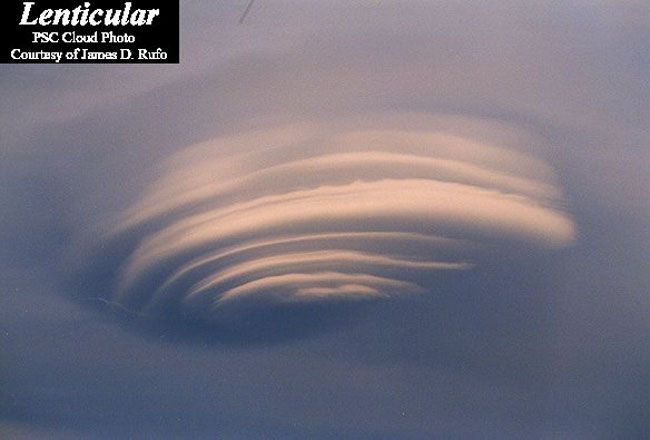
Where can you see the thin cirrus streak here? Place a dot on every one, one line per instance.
(328, 216)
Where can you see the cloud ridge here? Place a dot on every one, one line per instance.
(306, 214)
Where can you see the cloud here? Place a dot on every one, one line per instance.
(511, 346)
(313, 213)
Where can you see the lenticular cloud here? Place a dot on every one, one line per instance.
(312, 214)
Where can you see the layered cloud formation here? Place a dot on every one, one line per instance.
(319, 213)
(529, 342)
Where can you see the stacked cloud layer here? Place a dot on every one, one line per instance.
(315, 214)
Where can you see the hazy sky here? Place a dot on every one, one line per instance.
(342, 219)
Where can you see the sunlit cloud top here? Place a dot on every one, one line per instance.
(324, 212)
